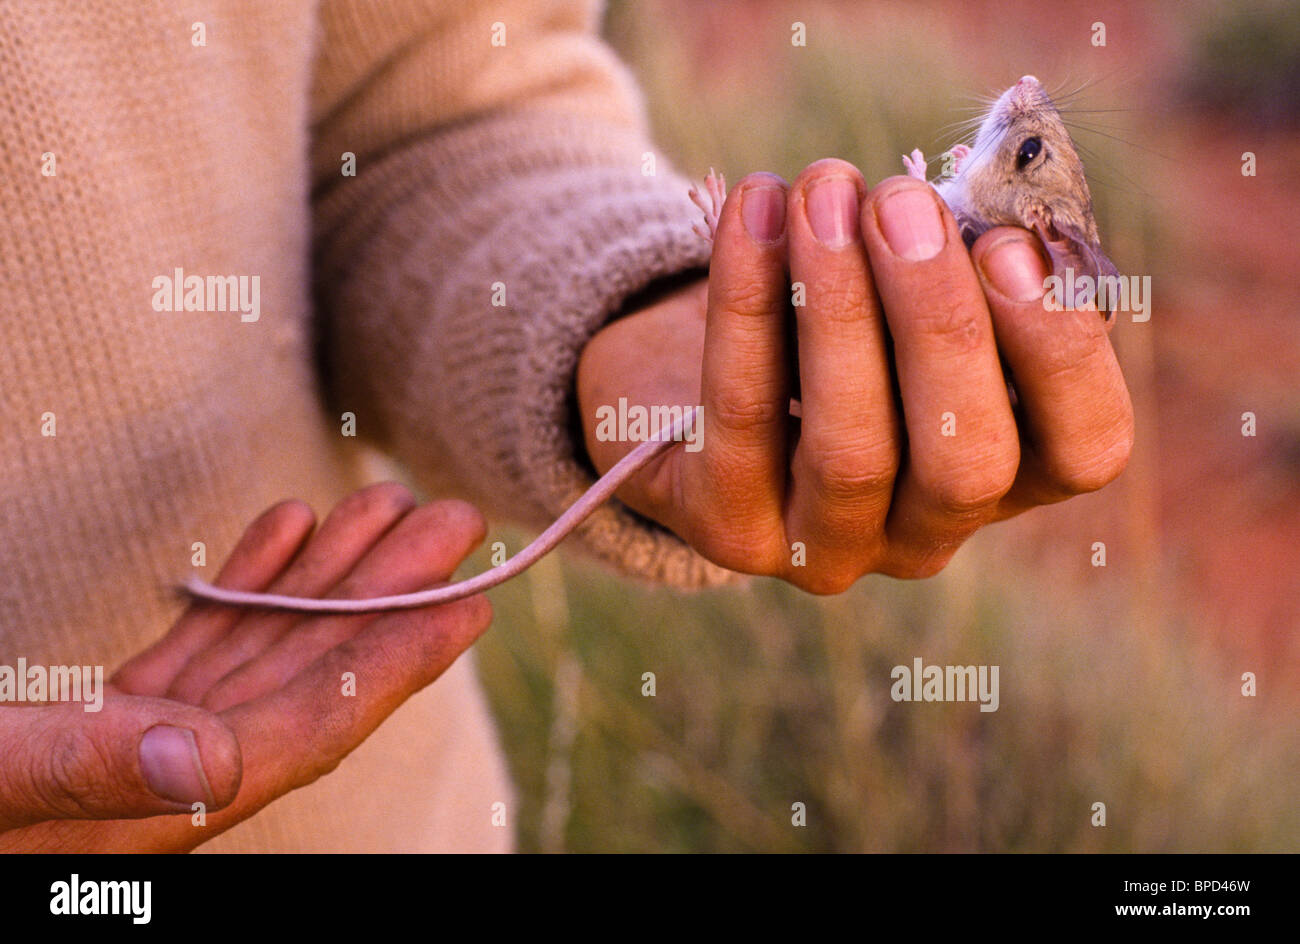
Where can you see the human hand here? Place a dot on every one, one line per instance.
(234, 708)
(908, 441)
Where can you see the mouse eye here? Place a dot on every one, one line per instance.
(1029, 149)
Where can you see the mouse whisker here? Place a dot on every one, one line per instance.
(1115, 137)
(975, 113)
(956, 127)
(1059, 94)
(1090, 124)
(1110, 177)
(1102, 130)
(982, 101)
(1078, 89)
(1072, 96)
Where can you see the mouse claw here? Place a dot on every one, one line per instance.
(915, 164)
(715, 194)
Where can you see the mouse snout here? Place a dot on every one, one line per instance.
(1025, 95)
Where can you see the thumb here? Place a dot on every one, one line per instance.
(135, 757)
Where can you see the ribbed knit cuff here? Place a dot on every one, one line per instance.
(459, 280)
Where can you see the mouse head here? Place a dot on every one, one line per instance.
(1023, 171)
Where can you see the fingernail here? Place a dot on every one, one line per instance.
(911, 223)
(1015, 268)
(763, 211)
(832, 206)
(169, 758)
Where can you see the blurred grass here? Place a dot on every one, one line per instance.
(767, 697)
(779, 107)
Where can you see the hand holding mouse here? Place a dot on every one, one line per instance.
(908, 440)
(235, 708)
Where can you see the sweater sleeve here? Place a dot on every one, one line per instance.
(505, 204)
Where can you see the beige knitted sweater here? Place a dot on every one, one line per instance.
(492, 142)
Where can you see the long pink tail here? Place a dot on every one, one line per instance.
(592, 499)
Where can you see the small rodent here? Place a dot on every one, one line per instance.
(1022, 170)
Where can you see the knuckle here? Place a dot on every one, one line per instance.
(72, 774)
(953, 321)
(741, 411)
(839, 295)
(748, 293)
(1099, 469)
(972, 489)
(1070, 355)
(848, 473)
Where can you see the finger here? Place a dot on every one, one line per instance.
(301, 731)
(135, 757)
(1077, 416)
(847, 454)
(424, 549)
(963, 449)
(734, 486)
(349, 532)
(266, 548)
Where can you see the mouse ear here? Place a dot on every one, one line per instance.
(1070, 249)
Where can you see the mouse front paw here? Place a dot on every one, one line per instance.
(959, 154)
(915, 164)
